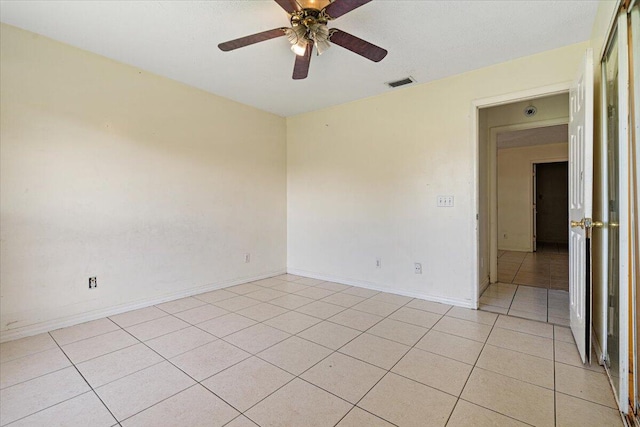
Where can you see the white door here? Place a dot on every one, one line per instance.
(580, 204)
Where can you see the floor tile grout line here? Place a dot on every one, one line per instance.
(410, 348)
(590, 401)
(494, 411)
(475, 363)
(361, 409)
(388, 370)
(86, 381)
(580, 367)
(320, 361)
(86, 338)
(526, 333)
(58, 347)
(30, 354)
(294, 376)
(185, 373)
(109, 352)
(51, 406)
(74, 364)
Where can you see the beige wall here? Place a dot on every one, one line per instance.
(515, 192)
(363, 179)
(156, 188)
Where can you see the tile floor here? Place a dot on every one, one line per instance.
(544, 305)
(533, 285)
(547, 268)
(294, 351)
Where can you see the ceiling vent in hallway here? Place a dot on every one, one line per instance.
(401, 82)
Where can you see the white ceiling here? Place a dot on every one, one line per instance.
(535, 136)
(428, 40)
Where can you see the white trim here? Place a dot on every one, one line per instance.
(523, 95)
(604, 213)
(634, 16)
(51, 325)
(376, 287)
(623, 207)
(612, 23)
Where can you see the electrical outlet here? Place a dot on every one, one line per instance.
(418, 268)
(378, 263)
(93, 282)
(247, 258)
(445, 201)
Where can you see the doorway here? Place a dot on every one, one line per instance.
(525, 280)
(550, 207)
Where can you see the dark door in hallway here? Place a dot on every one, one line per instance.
(552, 201)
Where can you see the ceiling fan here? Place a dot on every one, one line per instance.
(309, 28)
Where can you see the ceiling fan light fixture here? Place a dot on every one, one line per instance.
(319, 33)
(297, 36)
(300, 48)
(309, 20)
(322, 46)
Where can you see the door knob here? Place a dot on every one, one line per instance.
(576, 224)
(587, 223)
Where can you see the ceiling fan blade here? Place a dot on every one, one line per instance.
(340, 7)
(254, 38)
(301, 66)
(289, 5)
(357, 45)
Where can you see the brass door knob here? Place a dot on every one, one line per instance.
(578, 223)
(587, 223)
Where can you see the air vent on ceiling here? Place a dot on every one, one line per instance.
(401, 82)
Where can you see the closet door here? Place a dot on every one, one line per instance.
(634, 74)
(615, 81)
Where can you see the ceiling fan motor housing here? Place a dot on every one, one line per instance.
(309, 26)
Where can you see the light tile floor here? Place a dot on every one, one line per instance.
(293, 351)
(547, 268)
(544, 305)
(533, 285)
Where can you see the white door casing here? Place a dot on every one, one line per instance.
(581, 204)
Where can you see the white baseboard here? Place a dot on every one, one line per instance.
(376, 287)
(516, 249)
(63, 322)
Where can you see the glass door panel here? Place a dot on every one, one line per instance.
(610, 80)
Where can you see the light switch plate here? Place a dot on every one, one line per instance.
(445, 201)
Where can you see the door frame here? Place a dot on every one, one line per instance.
(476, 105)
